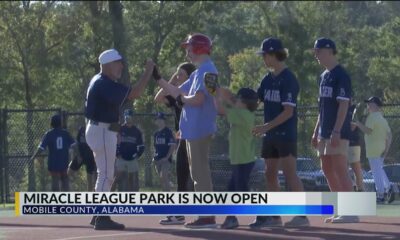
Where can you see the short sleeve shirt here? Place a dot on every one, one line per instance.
(375, 141)
(104, 99)
(276, 92)
(130, 142)
(334, 85)
(58, 141)
(163, 139)
(198, 121)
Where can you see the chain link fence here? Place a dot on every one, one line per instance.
(21, 131)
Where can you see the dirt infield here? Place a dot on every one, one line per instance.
(147, 227)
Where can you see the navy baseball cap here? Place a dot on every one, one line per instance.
(128, 113)
(324, 43)
(160, 115)
(270, 45)
(247, 93)
(375, 100)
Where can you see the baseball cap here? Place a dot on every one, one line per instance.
(375, 100)
(128, 113)
(247, 93)
(160, 115)
(270, 45)
(108, 56)
(324, 43)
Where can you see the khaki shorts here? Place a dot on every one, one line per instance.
(123, 165)
(324, 147)
(354, 154)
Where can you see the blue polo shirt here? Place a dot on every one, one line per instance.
(163, 139)
(131, 143)
(198, 121)
(276, 92)
(104, 99)
(334, 85)
(58, 141)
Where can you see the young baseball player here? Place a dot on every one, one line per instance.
(129, 150)
(164, 146)
(239, 111)
(81, 154)
(58, 141)
(378, 138)
(104, 99)
(278, 91)
(332, 130)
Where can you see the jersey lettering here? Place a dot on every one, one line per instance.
(326, 91)
(273, 96)
(59, 143)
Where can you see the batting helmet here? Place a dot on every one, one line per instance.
(201, 44)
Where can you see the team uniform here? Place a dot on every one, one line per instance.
(334, 85)
(58, 141)
(103, 102)
(276, 92)
(86, 154)
(129, 149)
(163, 140)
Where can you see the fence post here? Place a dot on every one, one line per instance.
(4, 154)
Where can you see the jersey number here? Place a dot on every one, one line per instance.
(59, 143)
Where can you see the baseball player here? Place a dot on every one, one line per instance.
(332, 130)
(199, 113)
(129, 149)
(164, 146)
(104, 99)
(278, 91)
(58, 141)
(81, 154)
(378, 138)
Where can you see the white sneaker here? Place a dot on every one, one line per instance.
(346, 219)
(173, 220)
(330, 219)
(298, 221)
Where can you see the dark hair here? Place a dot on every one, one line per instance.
(281, 55)
(55, 121)
(188, 67)
(251, 104)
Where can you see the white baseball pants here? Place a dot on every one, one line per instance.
(382, 183)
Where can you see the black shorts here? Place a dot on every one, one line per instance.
(87, 160)
(278, 149)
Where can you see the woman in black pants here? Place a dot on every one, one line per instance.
(184, 180)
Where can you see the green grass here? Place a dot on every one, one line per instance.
(7, 206)
(388, 210)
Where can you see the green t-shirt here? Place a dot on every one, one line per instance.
(241, 139)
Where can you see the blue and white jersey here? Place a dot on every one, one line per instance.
(163, 139)
(104, 99)
(334, 85)
(131, 143)
(276, 92)
(58, 141)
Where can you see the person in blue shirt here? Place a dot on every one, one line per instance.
(332, 130)
(58, 141)
(104, 99)
(164, 146)
(83, 155)
(129, 149)
(198, 119)
(278, 91)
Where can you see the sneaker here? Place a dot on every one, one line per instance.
(330, 219)
(346, 219)
(390, 195)
(298, 221)
(173, 220)
(230, 222)
(266, 221)
(105, 223)
(203, 222)
(380, 200)
(93, 221)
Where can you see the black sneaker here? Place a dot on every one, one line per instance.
(266, 221)
(390, 195)
(230, 222)
(93, 221)
(105, 223)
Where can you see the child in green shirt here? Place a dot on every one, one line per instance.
(239, 111)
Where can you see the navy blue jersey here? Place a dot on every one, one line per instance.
(58, 141)
(354, 137)
(84, 149)
(275, 92)
(163, 140)
(131, 143)
(334, 85)
(104, 99)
